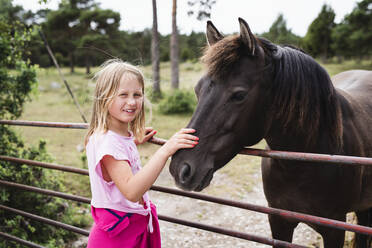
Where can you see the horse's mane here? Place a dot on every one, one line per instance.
(303, 92)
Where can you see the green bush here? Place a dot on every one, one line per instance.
(178, 102)
(152, 96)
(36, 203)
(44, 60)
(17, 80)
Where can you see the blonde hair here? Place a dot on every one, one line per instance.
(107, 86)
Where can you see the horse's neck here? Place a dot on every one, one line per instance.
(284, 139)
(319, 130)
(278, 139)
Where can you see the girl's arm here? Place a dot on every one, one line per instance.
(134, 186)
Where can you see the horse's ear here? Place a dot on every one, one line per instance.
(247, 37)
(212, 34)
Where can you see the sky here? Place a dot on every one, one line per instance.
(136, 15)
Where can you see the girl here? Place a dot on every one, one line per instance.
(122, 211)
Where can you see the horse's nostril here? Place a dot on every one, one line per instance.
(184, 173)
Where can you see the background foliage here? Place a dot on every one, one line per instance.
(17, 80)
(81, 33)
(178, 102)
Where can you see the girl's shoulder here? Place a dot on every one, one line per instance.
(109, 143)
(99, 139)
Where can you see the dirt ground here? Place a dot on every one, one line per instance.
(174, 235)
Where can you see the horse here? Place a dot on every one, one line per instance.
(254, 89)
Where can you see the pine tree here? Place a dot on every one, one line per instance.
(318, 38)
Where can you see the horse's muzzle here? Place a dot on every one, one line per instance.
(185, 174)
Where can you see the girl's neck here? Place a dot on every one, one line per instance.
(120, 128)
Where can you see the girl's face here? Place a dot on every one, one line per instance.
(127, 104)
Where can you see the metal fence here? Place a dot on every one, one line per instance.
(336, 159)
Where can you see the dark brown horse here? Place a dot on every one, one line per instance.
(256, 90)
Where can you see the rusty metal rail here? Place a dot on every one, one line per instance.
(46, 220)
(21, 241)
(247, 206)
(45, 165)
(232, 233)
(44, 124)
(298, 156)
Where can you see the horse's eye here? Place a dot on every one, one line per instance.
(238, 96)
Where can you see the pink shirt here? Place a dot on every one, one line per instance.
(106, 194)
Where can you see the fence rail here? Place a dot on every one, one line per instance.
(81, 199)
(46, 220)
(21, 241)
(298, 156)
(335, 159)
(247, 206)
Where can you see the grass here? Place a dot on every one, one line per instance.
(53, 103)
(334, 67)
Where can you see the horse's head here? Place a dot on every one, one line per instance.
(230, 114)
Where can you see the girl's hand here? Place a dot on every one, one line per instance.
(181, 139)
(149, 133)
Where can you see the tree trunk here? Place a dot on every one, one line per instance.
(174, 48)
(359, 59)
(72, 65)
(324, 56)
(155, 57)
(87, 65)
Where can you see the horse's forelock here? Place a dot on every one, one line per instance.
(222, 56)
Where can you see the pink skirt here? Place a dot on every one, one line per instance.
(116, 229)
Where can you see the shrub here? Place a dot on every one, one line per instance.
(154, 97)
(17, 80)
(36, 203)
(178, 102)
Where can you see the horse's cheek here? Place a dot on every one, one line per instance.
(230, 123)
(221, 144)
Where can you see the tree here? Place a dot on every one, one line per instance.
(12, 13)
(174, 49)
(279, 33)
(17, 81)
(203, 12)
(318, 38)
(192, 45)
(61, 25)
(202, 8)
(98, 27)
(81, 24)
(341, 44)
(360, 31)
(155, 53)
